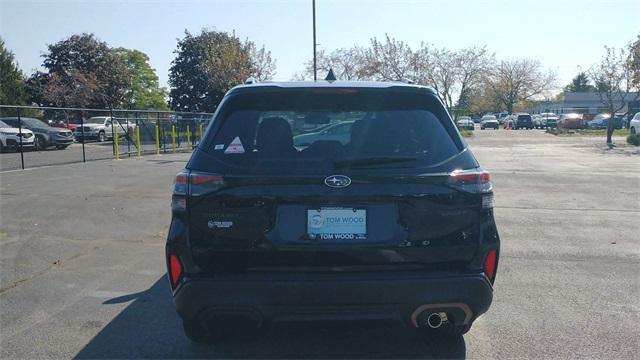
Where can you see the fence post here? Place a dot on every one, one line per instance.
(138, 141)
(128, 136)
(189, 136)
(20, 135)
(116, 143)
(158, 136)
(84, 157)
(113, 136)
(173, 137)
(200, 140)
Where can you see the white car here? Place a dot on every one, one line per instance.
(634, 124)
(465, 122)
(10, 137)
(100, 128)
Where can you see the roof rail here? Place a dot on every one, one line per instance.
(406, 81)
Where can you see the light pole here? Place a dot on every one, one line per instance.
(315, 70)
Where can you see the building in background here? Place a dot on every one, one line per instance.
(587, 103)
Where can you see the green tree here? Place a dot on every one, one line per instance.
(144, 92)
(81, 60)
(12, 88)
(205, 67)
(580, 83)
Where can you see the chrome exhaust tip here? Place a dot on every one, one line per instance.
(435, 320)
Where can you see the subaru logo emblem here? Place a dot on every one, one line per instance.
(337, 181)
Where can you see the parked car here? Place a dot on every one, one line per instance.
(550, 120)
(334, 132)
(538, 121)
(507, 122)
(488, 117)
(571, 121)
(100, 128)
(634, 124)
(465, 122)
(70, 124)
(601, 121)
(45, 136)
(263, 232)
(501, 116)
(522, 121)
(489, 124)
(10, 137)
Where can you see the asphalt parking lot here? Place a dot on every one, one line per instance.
(82, 264)
(73, 154)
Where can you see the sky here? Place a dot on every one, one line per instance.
(566, 36)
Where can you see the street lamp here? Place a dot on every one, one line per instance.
(315, 70)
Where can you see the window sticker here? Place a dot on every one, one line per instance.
(218, 147)
(235, 147)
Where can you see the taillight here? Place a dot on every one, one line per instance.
(202, 183)
(175, 270)
(189, 183)
(181, 183)
(490, 263)
(473, 181)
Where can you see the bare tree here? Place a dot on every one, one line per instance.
(347, 64)
(518, 80)
(634, 61)
(390, 60)
(443, 74)
(263, 66)
(614, 78)
(472, 63)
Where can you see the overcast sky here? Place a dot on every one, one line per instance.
(564, 35)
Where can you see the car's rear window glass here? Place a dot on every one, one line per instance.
(524, 117)
(296, 129)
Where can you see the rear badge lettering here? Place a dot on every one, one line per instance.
(212, 224)
(235, 147)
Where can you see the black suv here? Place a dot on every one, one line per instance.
(393, 221)
(523, 121)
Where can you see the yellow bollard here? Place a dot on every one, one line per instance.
(116, 143)
(188, 136)
(157, 139)
(200, 133)
(138, 141)
(173, 137)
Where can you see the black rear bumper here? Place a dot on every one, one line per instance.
(305, 297)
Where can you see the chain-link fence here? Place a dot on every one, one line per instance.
(39, 136)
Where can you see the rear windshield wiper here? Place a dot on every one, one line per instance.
(379, 160)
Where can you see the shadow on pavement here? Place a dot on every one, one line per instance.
(150, 328)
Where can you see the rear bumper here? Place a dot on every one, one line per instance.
(303, 297)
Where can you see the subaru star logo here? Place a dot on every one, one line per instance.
(337, 181)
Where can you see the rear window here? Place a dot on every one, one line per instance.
(299, 129)
(524, 117)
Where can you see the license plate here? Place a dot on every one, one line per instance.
(337, 224)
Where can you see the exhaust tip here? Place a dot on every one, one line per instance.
(435, 320)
